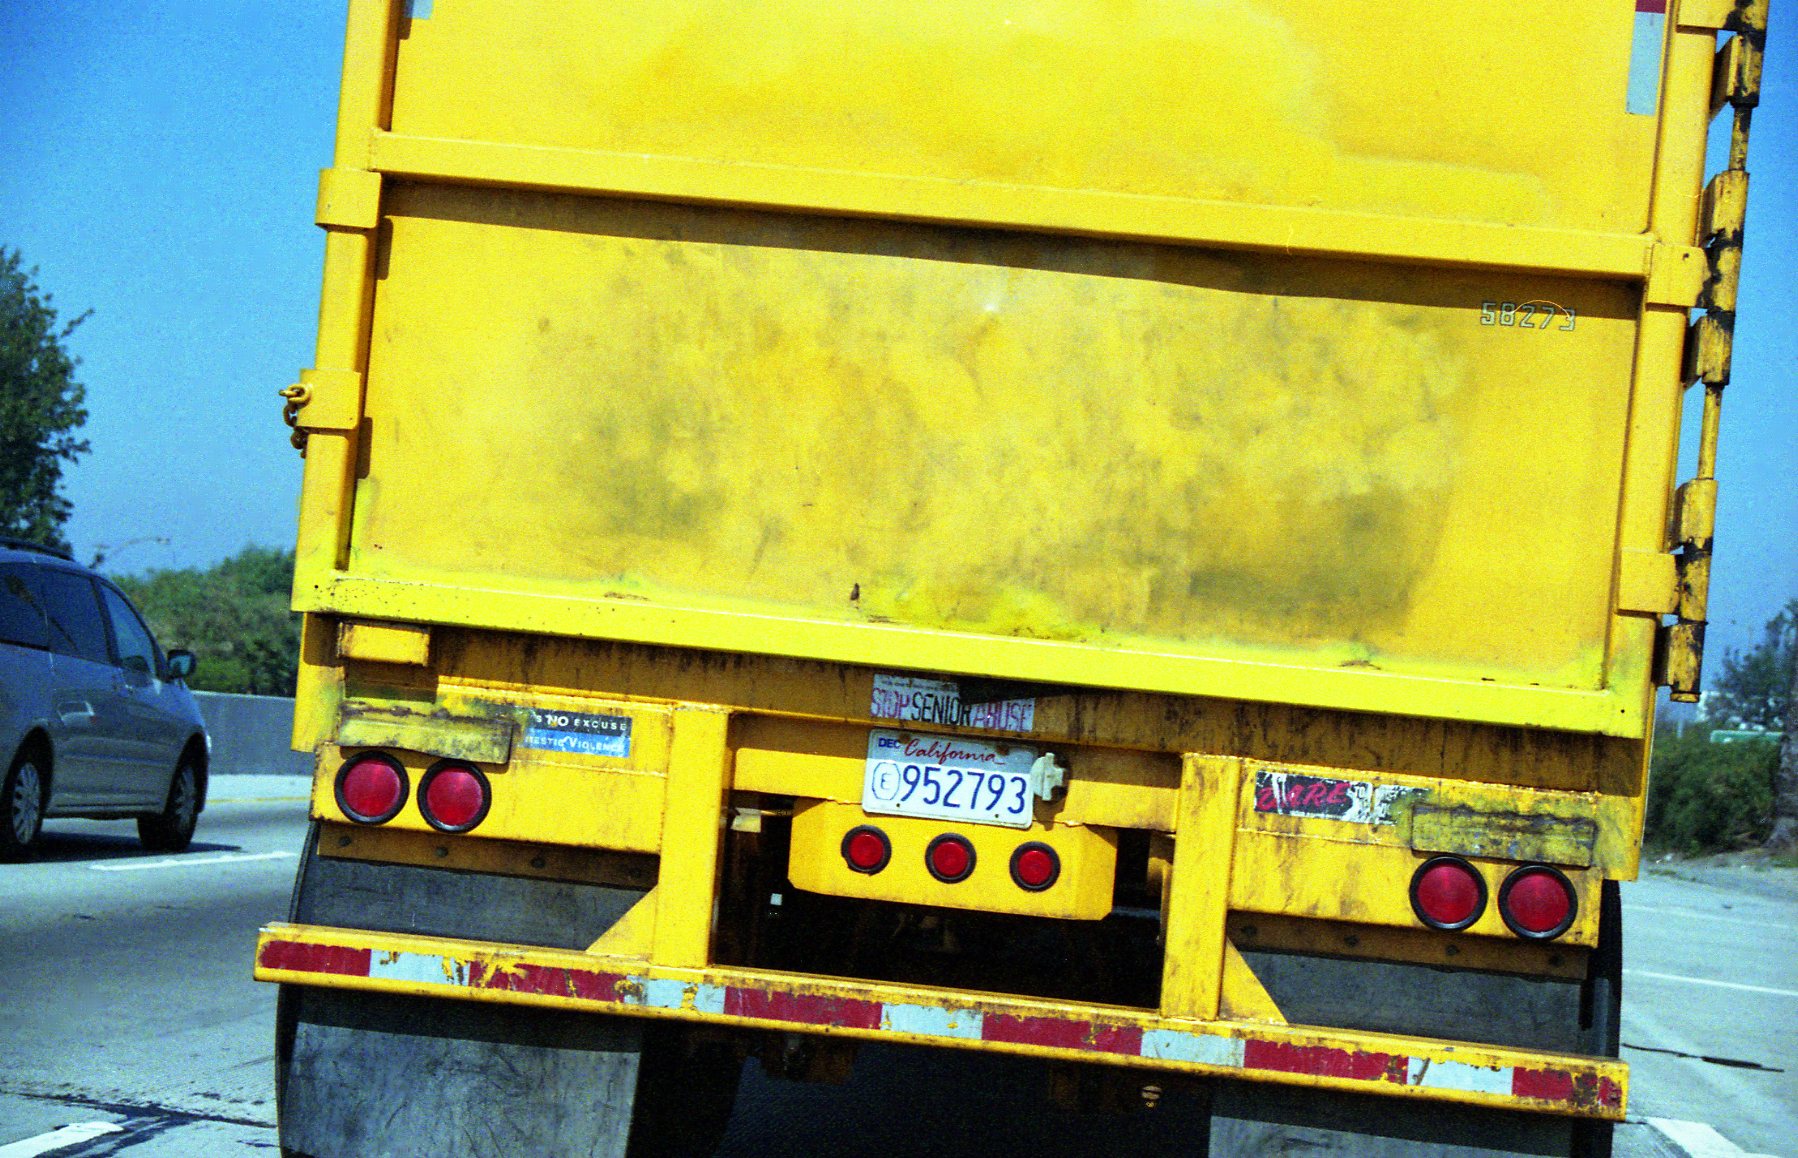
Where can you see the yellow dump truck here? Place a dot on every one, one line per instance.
(1137, 537)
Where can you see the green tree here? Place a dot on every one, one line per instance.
(40, 407)
(234, 616)
(1753, 686)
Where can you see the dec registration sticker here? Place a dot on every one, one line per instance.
(949, 778)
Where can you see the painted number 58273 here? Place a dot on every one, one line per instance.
(1526, 315)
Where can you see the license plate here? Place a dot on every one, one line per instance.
(949, 778)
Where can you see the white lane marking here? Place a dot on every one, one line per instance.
(133, 866)
(58, 1139)
(1707, 981)
(1700, 1140)
(1695, 914)
(257, 799)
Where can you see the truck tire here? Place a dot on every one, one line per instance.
(686, 1089)
(1601, 1010)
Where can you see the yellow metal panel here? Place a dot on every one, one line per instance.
(1083, 892)
(690, 502)
(698, 777)
(1082, 211)
(1281, 102)
(1296, 876)
(541, 803)
(385, 642)
(1198, 896)
(349, 198)
(1646, 581)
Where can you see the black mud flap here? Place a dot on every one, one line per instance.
(363, 1075)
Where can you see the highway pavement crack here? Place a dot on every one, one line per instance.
(1733, 1063)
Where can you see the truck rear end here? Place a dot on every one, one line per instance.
(1138, 538)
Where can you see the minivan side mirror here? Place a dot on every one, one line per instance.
(181, 663)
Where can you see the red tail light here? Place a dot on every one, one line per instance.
(1537, 902)
(867, 849)
(949, 858)
(1035, 866)
(454, 797)
(1448, 893)
(371, 788)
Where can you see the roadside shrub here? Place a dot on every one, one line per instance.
(1705, 797)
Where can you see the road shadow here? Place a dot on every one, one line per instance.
(60, 846)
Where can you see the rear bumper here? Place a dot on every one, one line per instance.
(1345, 1060)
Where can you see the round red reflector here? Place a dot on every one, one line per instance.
(1035, 866)
(454, 797)
(371, 788)
(866, 849)
(1447, 893)
(949, 858)
(1537, 902)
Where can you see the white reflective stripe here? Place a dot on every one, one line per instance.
(421, 968)
(656, 994)
(1202, 1048)
(933, 1021)
(59, 1139)
(708, 998)
(1454, 1075)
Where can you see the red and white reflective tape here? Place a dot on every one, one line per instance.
(1573, 1089)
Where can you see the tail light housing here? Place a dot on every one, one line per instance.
(950, 858)
(1035, 867)
(1538, 902)
(454, 797)
(1447, 893)
(866, 849)
(371, 788)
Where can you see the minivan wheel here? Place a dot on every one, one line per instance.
(172, 829)
(22, 795)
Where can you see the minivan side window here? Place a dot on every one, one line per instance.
(73, 608)
(137, 651)
(21, 616)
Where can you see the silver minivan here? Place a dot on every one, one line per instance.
(95, 721)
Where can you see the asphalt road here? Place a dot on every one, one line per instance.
(126, 1006)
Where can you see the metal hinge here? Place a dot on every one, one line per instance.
(1736, 85)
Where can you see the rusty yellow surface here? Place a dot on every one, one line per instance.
(1370, 884)
(1083, 891)
(1199, 894)
(1417, 945)
(693, 820)
(384, 642)
(1218, 395)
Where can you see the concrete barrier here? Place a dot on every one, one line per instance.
(250, 735)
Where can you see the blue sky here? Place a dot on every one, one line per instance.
(158, 164)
